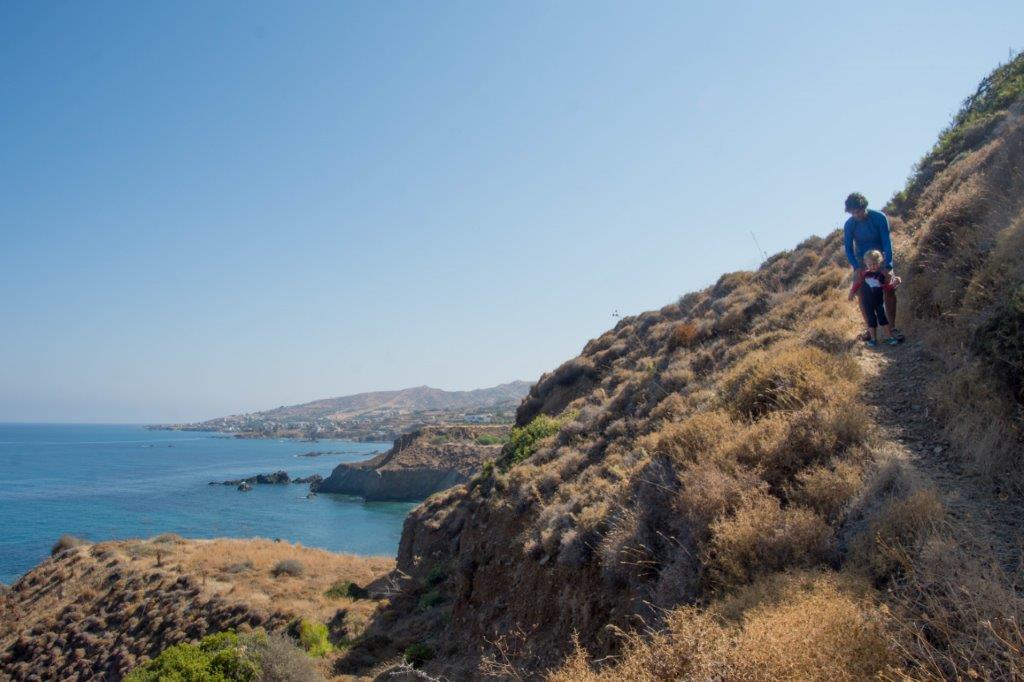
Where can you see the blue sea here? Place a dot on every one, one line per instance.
(104, 482)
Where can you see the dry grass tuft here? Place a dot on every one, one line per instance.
(65, 542)
(683, 335)
(761, 538)
(783, 378)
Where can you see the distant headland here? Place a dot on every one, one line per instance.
(376, 416)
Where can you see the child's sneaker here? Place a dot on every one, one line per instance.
(894, 341)
(871, 343)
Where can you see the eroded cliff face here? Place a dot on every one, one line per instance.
(420, 464)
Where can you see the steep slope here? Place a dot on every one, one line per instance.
(420, 464)
(726, 487)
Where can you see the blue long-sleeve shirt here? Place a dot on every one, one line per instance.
(861, 236)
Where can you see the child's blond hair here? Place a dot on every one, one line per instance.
(873, 257)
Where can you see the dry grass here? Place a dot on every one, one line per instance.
(807, 627)
(761, 538)
(785, 378)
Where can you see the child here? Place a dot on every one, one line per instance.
(875, 282)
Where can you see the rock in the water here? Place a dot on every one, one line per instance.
(315, 478)
(244, 487)
(259, 479)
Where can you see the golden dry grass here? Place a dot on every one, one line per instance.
(802, 626)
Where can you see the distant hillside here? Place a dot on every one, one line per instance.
(417, 399)
(376, 416)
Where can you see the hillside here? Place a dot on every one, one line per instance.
(419, 464)
(98, 611)
(380, 415)
(732, 488)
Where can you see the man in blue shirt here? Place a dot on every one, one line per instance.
(866, 230)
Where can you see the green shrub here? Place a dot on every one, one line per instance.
(219, 657)
(430, 600)
(437, 574)
(418, 654)
(346, 589)
(313, 638)
(523, 441)
(490, 439)
(1000, 341)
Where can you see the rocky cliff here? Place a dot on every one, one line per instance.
(419, 464)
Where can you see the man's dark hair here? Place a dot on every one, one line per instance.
(855, 201)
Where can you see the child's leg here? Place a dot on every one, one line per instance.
(874, 333)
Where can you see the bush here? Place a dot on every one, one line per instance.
(783, 379)
(489, 439)
(762, 537)
(66, 542)
(430, 600)
(313, 638)
(1000, 341)
(227, 657)
(524, 440)
(418, 654)
(219, 657)
(240, 567)
(683, 335)
(291, 567)
(168, 538)
(346, 589)
(437, 574)
(281, 661)
(691, 438)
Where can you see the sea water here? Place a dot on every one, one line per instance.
(102, 482)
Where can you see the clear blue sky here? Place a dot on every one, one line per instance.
(211, 207)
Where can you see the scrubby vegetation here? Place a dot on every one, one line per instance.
(289, 567)
(228, 657)
(66, 542)
(346, 589)
(314, 639)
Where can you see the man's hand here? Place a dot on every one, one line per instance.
(851, 296)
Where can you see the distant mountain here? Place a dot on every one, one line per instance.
(378, 416)
(417, 399)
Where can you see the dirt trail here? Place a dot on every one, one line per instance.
(993, 520)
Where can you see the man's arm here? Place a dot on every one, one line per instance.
(883, 232)
(848, 241)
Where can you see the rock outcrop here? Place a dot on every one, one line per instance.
(420, 464)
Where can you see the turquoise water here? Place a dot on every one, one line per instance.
(102, 482)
